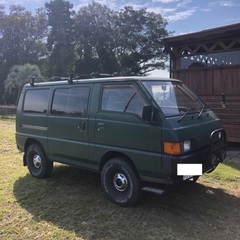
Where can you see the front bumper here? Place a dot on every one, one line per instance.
(209, 157)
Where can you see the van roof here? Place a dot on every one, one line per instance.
(108, 79)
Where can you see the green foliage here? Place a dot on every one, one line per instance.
(95, 39)
(18, 76)
(94, 27)
(137, 32)
(21, 39)
(60, 38)
(124, 41)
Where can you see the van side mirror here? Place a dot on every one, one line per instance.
(149, 115)
(223, 102)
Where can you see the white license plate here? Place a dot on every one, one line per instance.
(184, 169)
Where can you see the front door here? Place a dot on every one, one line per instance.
(119, 127)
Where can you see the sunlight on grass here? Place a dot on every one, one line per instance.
(227, 175)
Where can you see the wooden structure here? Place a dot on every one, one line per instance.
(208, 62)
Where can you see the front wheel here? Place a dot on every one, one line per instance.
(120, 182)
(38, 164)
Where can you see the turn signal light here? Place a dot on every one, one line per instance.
(172, 148)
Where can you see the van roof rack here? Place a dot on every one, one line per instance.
(86, 76)
(74, 77)
(96, 75)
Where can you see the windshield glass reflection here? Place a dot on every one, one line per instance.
(174, 98)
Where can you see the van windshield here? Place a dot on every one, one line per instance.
(174, 98)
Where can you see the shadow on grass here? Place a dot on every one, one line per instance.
(72, 200)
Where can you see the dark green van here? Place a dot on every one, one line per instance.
(135, 131)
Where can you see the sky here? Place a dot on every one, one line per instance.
(183, 16)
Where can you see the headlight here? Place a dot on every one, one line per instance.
(186, 146)
(219, 135)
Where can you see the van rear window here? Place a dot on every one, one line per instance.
(36, 101)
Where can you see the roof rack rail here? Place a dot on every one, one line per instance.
(34, 80)
(103, 75)
(95, 75)
(74, 77)
(58, 78)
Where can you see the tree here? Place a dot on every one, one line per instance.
(124, 41)
(138, 51)
(18, 76)
(21, 39)
(95, 39)
(2, 17)
(21, 34)
(60, 39)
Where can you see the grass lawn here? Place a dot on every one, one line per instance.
(71, 204)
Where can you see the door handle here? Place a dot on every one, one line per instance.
(100, 126)
(82, 126)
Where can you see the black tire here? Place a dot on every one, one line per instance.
(120, 182)
(38, 164)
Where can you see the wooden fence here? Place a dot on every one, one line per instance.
(6, 111)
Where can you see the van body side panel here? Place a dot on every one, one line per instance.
(94, 156)
(123, 133)
(31, 125)
(67, 140)
(127, 134)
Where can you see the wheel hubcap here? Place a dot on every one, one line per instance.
(120, 182)
(37, 161)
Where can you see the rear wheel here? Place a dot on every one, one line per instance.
(120, 182)
(38, 164)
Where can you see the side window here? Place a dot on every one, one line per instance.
(70, 101)
(36, 101)
(122, 98)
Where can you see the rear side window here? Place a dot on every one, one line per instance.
(122, 98)
(36, 101)
(70, 101)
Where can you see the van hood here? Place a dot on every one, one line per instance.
(191, 127)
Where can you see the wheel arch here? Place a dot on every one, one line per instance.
(28, 143)
(113, 154)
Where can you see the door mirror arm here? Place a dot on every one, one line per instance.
(223, 102)
(149, 115)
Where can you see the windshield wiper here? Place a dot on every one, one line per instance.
(200, 113)
(180, 119)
